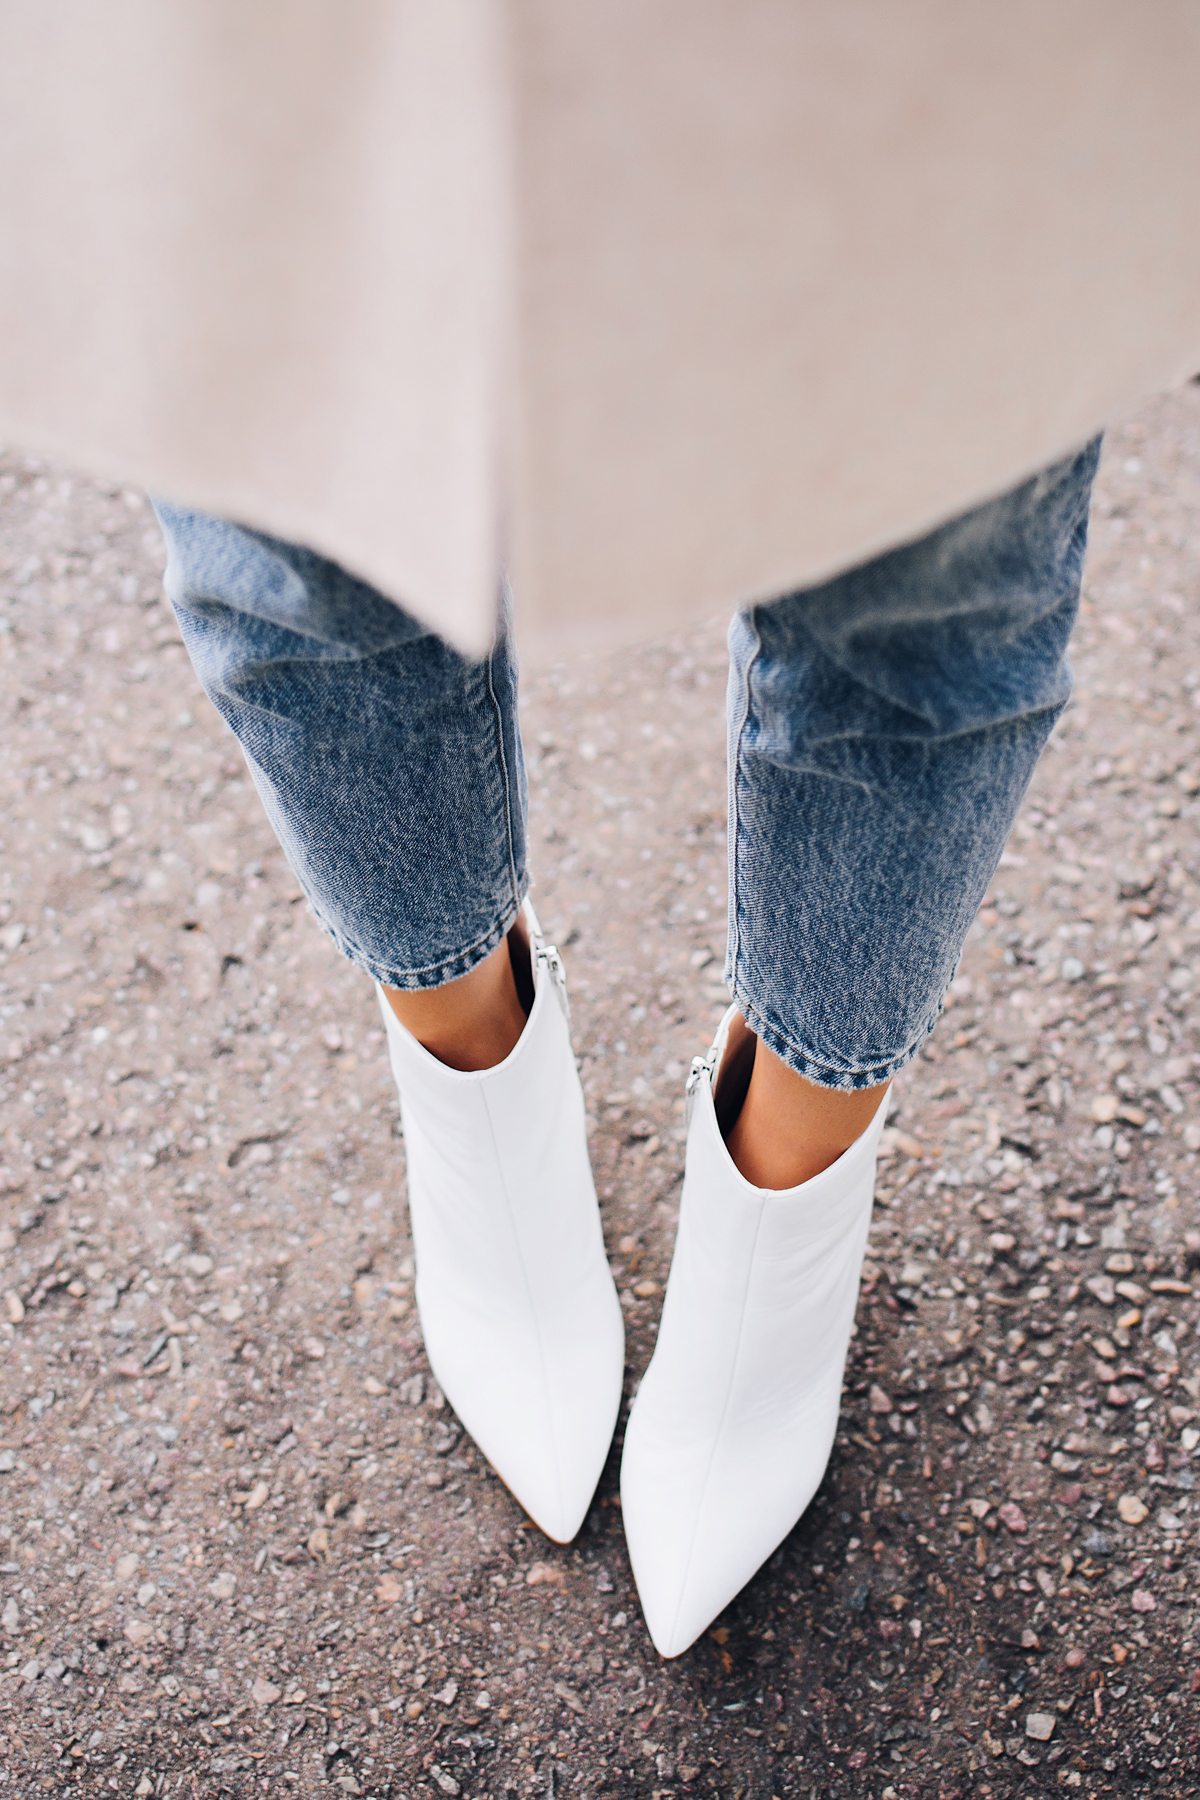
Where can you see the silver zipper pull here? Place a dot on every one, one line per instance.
(547, 955)
(702, 1067)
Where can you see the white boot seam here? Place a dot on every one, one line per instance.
(530, 1303)
(712, 1455)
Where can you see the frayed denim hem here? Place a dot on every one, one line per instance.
(435, 975)
(801, 1062)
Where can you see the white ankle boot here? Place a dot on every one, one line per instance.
(735, 1418)
(522, 1324)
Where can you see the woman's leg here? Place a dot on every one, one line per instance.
(883, 730)
(391, 770)
(390, 767)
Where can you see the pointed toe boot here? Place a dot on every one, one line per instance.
(735, 1418)
(522, 1324)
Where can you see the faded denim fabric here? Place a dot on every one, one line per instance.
(390, 766)
(883, 728)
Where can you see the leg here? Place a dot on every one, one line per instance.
(390, 767)
(883, 730)
(391, 770)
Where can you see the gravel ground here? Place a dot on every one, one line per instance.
(245, 1548)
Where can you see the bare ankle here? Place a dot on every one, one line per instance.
(788, 1129)
(474, 1022)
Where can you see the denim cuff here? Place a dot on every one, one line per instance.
(432, 975)
(821, 1074)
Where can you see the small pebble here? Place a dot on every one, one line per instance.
(544, 1575)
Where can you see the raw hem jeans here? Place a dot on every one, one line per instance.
(883, 728)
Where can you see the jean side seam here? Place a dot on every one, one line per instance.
(733, 933)
(498, 716)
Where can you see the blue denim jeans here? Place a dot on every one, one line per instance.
(883, 728)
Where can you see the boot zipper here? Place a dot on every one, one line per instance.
(703, 1068)
(547, 955)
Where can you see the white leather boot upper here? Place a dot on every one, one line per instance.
(735, 1418)
(521, 1321)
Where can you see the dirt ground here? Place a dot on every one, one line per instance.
(244, 1546)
